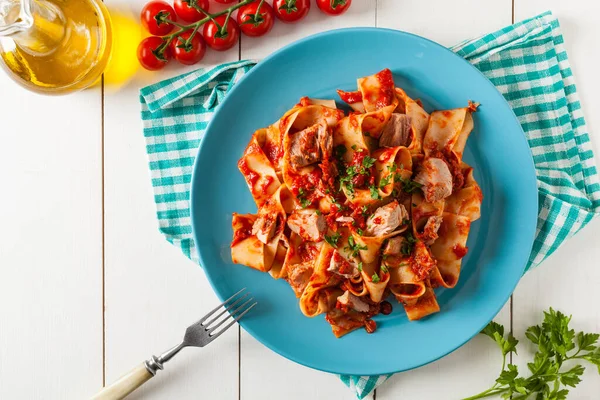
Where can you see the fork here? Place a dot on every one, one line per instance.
(196, 335)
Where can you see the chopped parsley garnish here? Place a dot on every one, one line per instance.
(392, 168)
(354, 247)
(364, 210)
(409, 186)
(359, 231)
(385, 181)
(368, 162)
(408, 244)
(333, 239)
(375, 278)
(405, 221)
(304, 202)
(354, 147)
(318, 212)
(360, 266)
(384, 269)
(374, 192)
(414, 205)
(395, 192)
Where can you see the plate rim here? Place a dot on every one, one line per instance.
(531, 223)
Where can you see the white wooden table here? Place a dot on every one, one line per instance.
(89, 288)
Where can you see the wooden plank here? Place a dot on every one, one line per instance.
(569, 279)
(447, 23)
(51, 253)
(152, 291)
(265, 374)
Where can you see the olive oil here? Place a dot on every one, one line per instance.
(55, 46)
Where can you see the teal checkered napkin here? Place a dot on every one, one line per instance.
(528, 64)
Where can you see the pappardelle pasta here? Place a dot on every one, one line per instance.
(353, 208)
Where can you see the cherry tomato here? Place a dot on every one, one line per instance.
(221, 41)
(186, 11)
(334, 7)
(225, 1)
(151, 15)
(149, 54)
(291, 10)
(256, 25)
(192, 52)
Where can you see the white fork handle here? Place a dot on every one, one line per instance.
(125, 384)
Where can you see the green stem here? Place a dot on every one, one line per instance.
(209, 17)
(487, 393)
(223, 30)
(258, 9)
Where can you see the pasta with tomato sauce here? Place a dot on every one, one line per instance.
(356, 207)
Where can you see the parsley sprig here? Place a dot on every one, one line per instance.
(408, 244)
(556, 344)
(333, 239)
(302, 196)
(354, 247)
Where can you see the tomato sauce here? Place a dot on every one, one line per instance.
(386, 95)
(350, 97)
(459, 250)
(273, 152)
(307, 251)
(251, 176)
(421, 262)
(360, 180)
(264, 186)
(244, 232)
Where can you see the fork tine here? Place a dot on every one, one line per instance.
(231, 314)
(219, 306)
(229, 307)
(236, 319)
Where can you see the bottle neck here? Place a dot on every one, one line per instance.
(36, 26)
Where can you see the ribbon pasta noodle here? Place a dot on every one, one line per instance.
(358, 207)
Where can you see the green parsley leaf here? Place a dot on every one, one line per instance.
(354, 147)
(360, 266)
(556, 343)
(354, 247)
(392, 168)
(572, 376)
(359, 231)
(383, 182)
(318, 212)
(406, 248)
(375, 278)
(333, 239)
(384, 269)
(368, 162)
(408, 186)
(587, 341)
(374, 192)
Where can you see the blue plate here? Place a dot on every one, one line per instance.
(499, 243)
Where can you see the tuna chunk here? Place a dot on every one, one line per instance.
(393, 246)
(308, 145)
(386, 219)
(397, 132)
(341, 266)
(354, 302)
(307, 224)
(325, 139)
(299, 275)
(436, 179)
(431, 228)
(264, 227)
